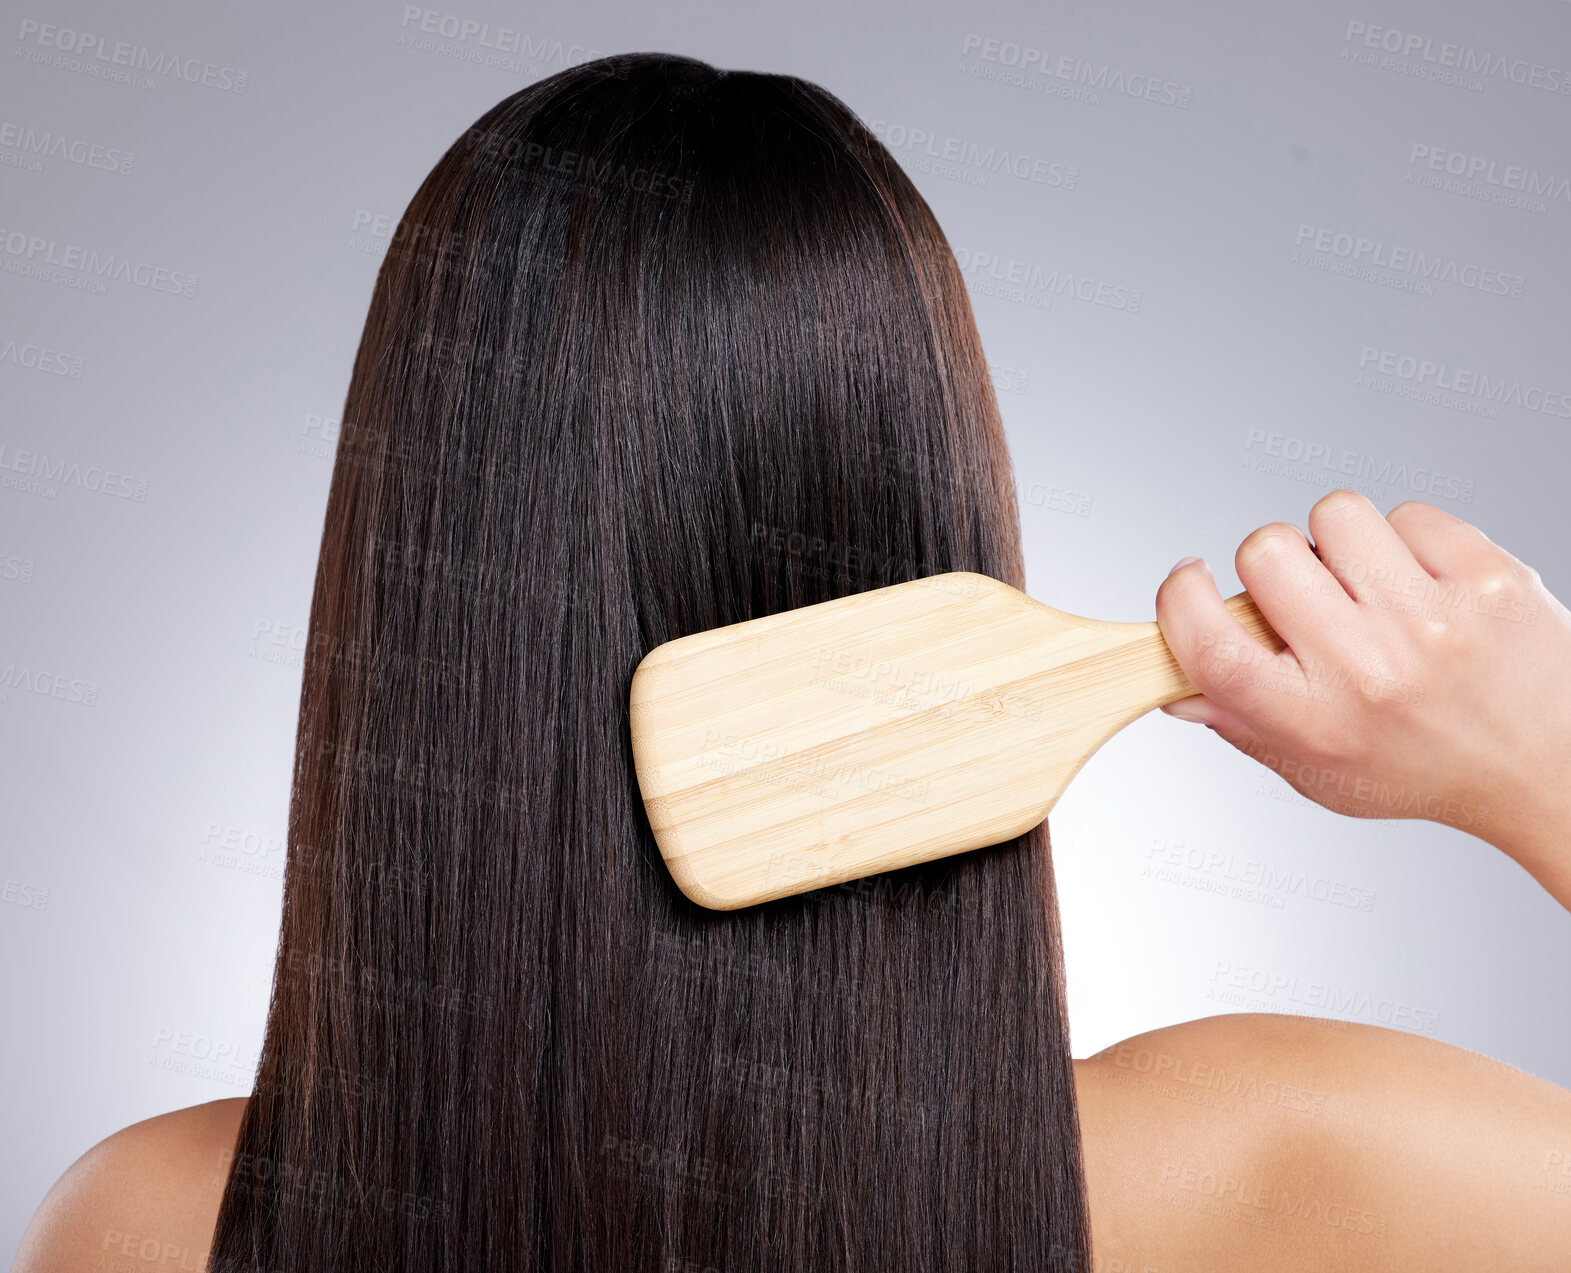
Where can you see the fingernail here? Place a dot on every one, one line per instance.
(1184, 711)
(1181, 564)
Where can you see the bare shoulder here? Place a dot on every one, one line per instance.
(1261, 1141)
(148, 1192)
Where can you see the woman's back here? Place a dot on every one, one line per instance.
(1250, 1143)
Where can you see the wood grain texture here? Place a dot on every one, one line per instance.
(882, 729)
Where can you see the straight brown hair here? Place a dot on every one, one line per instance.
(655, 348)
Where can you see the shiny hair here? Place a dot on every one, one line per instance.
(655, 348)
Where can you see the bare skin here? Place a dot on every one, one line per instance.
(1257, 1142)
(1427, 674)
(1246, 1142)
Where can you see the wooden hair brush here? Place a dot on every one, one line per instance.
(881, 729)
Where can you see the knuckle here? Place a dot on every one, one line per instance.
(1270, 536)
(1499, 579)
(1417, 513)
(1342, 502)
(1376, 686)
(1443, 635)
(1523, 578)
(1410, 508)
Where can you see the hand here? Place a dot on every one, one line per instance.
(1427, 673)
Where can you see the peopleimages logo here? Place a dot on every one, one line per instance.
(94, 55)
(1032, 67)
(1457, 57)
(43, 467)
(1424, 373)
(40, 358)
(1310, 456)
(463, 30)
(1423, 159)
(1230, 981)
(971, 154)
(986, 270)
(34, 255)
(1359, 250)
(30, 145)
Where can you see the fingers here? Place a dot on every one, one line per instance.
(1320, 601)
(1295, 591)
(1446, 546)
(1197, 707)
(1234, 732)
(1221, 659)
(1364, 552)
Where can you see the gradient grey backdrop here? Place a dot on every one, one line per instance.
(1160, 215)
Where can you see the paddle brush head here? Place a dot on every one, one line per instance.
(875, 731)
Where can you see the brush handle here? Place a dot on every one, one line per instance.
(1093, 677)
(1154, 676)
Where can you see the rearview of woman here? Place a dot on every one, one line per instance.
(646, 330)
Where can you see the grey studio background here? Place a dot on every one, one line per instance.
(1224, 258)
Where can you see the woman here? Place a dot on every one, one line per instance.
(659, 348)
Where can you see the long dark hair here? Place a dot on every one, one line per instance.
(656, 348)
